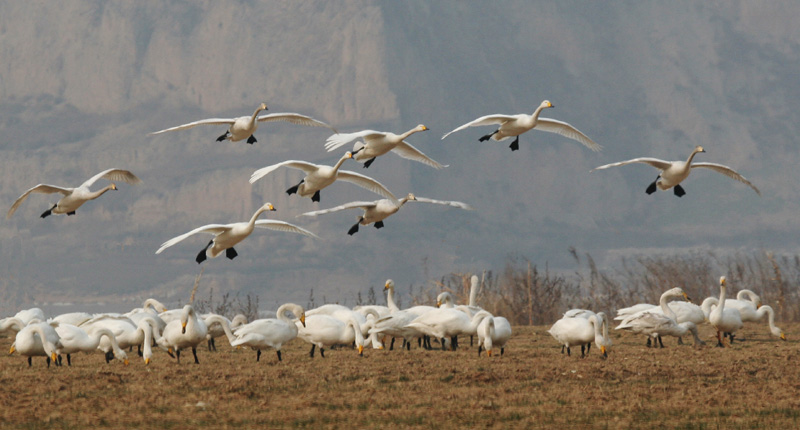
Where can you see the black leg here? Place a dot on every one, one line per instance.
(515, 144)
(109, 356)
(680, 340)
(178, 355)
(70, 213)
(223, 137)
(294, 189)
(201, 256)
(194, 352)
(315, 197)
(251, 140)
(378, 224)
(258, 355)
(368, 162)
(231, 253)
(48, 362)
(648, 341)
(408, 345)
(311, 354)
(652, 187)
(480, 348)
(279, 355)
(583, 351)
(470, 340)
(488, 136)
(322, 352)
(69, 359)
(588, 347)
(354, 228)
(48, 212)
(502, 350)
(660, 342)
(678, 190)
(30, 361)
(568, 353)
(562, 348)
(391, 345)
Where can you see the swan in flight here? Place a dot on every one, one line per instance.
(270, 332)
(243, 127)
(377, 143)
(378, 210)
(672, 173)
(515, 125)
(228, 235)
(75, 197)
(724, 320)
(319, 176)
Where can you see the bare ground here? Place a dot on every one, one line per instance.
(754, 384)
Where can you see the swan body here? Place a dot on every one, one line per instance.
(445, 323)
(76, 197)
(270, 332)
(747, 303)
(493, 332)
(38, 339)
(319, 176)
(228, 235)
(244, 127)
(187, 332)
(689, 313)
(672, 173)
(323, 331)
(377, 143)
(126, 332)
(655, 325)
(571, 332)
(73, 318)
(578, 313)
(515, 125)
(725, 322)
(75, 339)
(377, 211)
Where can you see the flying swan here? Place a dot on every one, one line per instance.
(674, 172)
(319, 176)
(377, 143)
(75, 197)
(378, 210)
(514, 125)
(228, 235)
(243, 127)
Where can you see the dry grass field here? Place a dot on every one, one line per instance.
(754, 384)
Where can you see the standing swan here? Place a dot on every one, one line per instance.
(270, 332)
(243, 127)
(187, 332)
(75, 197)
(377, 143)
(674, 172)
(571, 332)
(514, 125)
(724, 320)
(378, 210)
(318, 177)
(227, 235)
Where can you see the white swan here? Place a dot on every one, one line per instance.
(515, 125)
(228, 235)
(664, 309)
(377, 211)
(270, 332)
(75, 339)
(578, 313)
(747, 303)
(377, 143)
(75, 197)
(187, 332)
(126, 332)
(752, 316)
(724, 320)
(444, 323)
(656, 325)
(73, 318)
(38, 339)
(243, 127)
(767, 310)
(323, 331)
(493, 332)
(217, 328)
(571, 332)
(319, 176)
(383, 311)
(672, 173)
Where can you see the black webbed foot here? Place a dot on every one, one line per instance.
(201, 256)
(231, 253)
(515, 144)
(353, 229)
(368, 162)
(315, 197)
(652, 187)
(678, 190)
(487, 137)
(70, 213)
(252, 139)
(294, 189)
(378, 224)
(48, 212)
(223, 137)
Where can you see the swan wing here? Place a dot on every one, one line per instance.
(283, 226)
(408, 151)
(727, 171)
(113, 175)
(351, 205)
(444, 202)
(368, 183)
(655, 162)
(337, 140)
(214, 229)
(41, 188)
(295, 164)
(212, 121)
(484, 120)
(566, 130)
(295, 118)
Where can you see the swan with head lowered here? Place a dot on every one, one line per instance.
(270, 332)
(377, 211)
(243, 127)
(377, 143)
(75, 339)
(493, 332)
(724, 320)
(672, 173)
(449, 323)
(76, 197)
(573, 331)
(319, 176)
(38, 339)
(515, 125)
(675, 312)
(228, 235)
(323, 331)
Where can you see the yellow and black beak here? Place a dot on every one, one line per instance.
(361, 350)
(183, 328)
(11, 351)
(303, 319)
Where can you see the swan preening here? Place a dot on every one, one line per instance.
(672, 173)
(515, 125)
(75, 197)
(243, 127)
(228, 235)
(377, 143)
(319, 176)
(376, 211)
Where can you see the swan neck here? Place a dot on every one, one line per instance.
(536, 113)
(255, 216)
(95, 194)
(12, 323)
(722, 294)
(339, 163)
(255, 115)
(390, 301)
(691, 156)
(473, 293)
(665, 307)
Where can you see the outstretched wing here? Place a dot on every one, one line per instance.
(484, 120)
(295, 164)
(351, 205)
(214, 229)
(727, 171)
(295, 118)
(566, 130)
(283, 226)
(41, 188)
(406, 150)
(655, 162)
(337, 140)
(367, 183)
(212, 121)
(444, 202)
(113, 175)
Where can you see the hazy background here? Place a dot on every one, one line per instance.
(82, 84)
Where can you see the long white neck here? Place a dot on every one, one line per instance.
(224, 322)
(352, 323)
(477, 318)
(722, 294)
(155, 305)
(255, 115)
(707, 303)
(95, 194)
(599, 338)
(771, 319)
(473, 291)
(102, 331)
(536, 113)
(11, 323)
(691, 157)
(408, 133)
(340, 162)
(665, 307)
(49, 348)
(390, 301)
(255, 216)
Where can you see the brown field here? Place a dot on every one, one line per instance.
(754, 384)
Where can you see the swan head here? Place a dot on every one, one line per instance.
(389, 285)
(722, 279)
(263, 106)
(699, 148)
(113, 186)
(604, 351)
(11, 351)
(546, 104)
(349, 154)
(421, 127)
(411, 196)
(361, 350)
(268, 207)
(147, 361)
